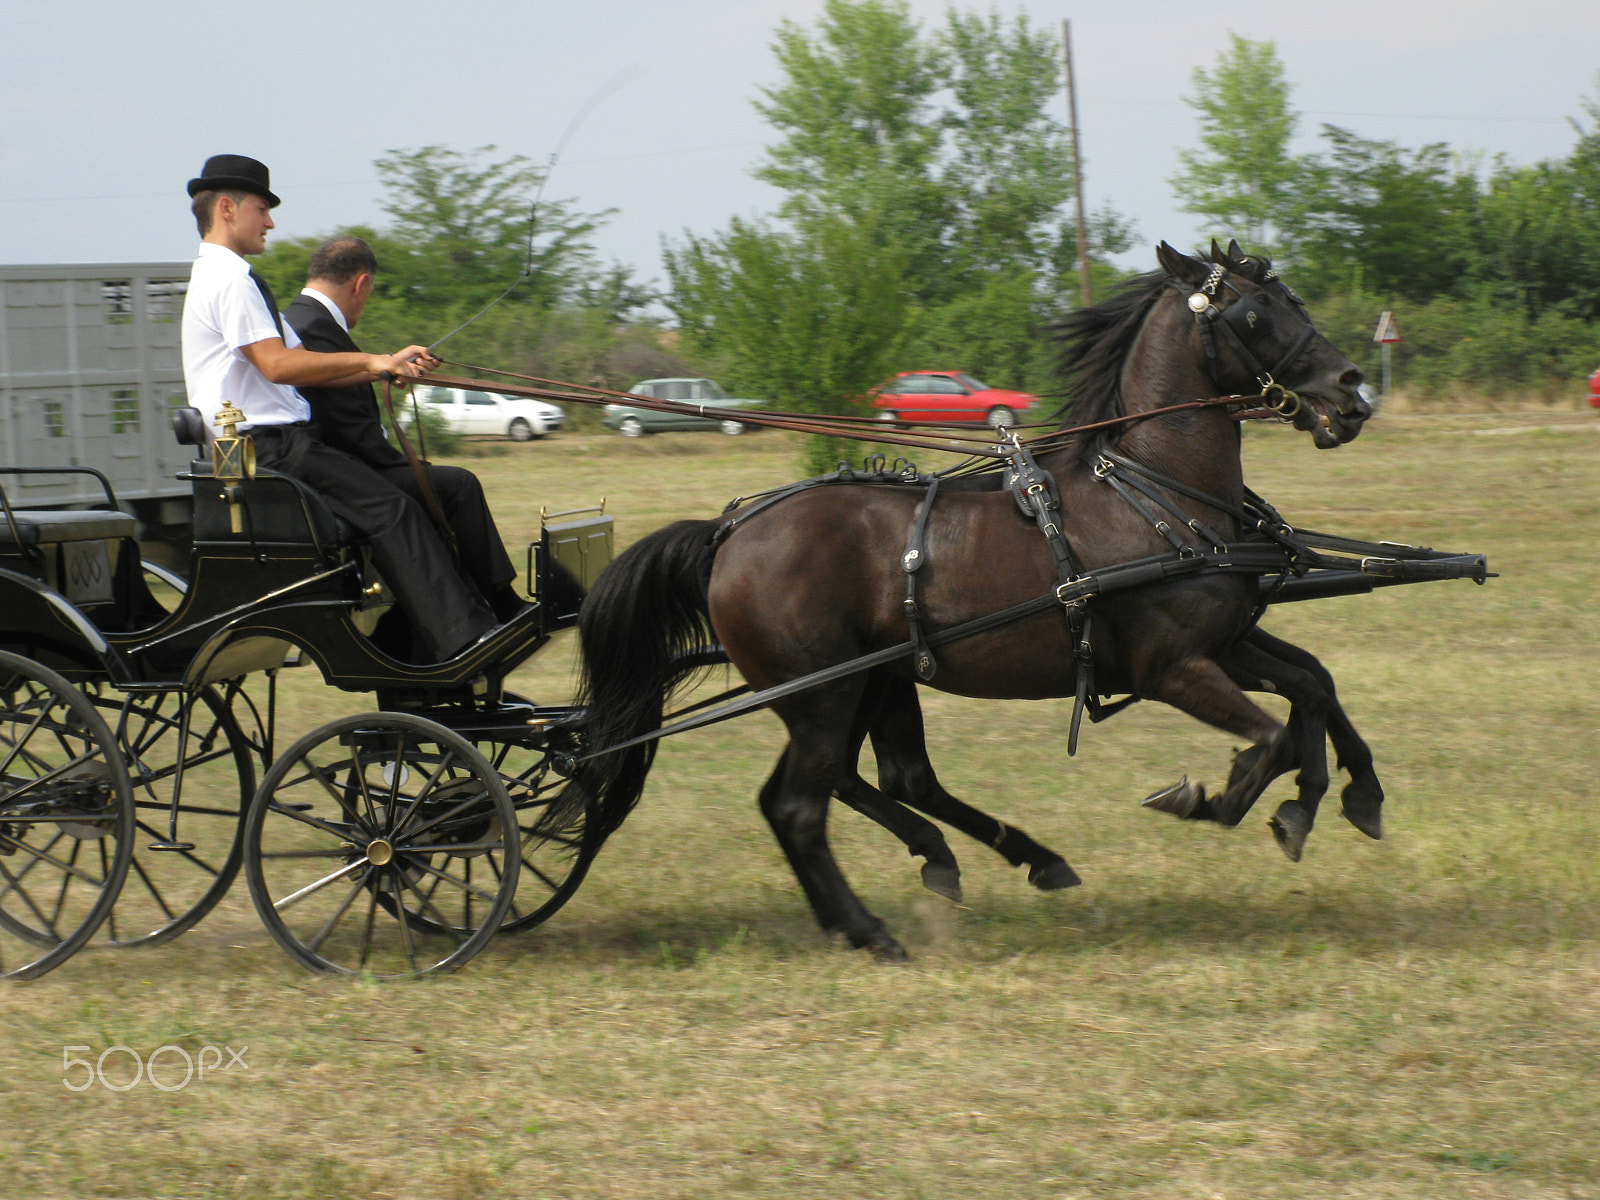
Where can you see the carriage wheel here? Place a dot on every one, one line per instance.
(554, 859)
(66, 819)
(169, 890)
(551, 821)
(376, 813)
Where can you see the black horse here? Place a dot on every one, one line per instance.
(816, 581)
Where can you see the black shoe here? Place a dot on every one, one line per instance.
(473, 642)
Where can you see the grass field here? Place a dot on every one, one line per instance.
(1417, 1017)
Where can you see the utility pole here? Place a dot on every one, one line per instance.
(1085, 288)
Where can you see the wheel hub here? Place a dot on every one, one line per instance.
(83, 793)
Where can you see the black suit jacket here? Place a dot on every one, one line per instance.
(347, 417)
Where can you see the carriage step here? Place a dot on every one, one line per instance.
(177, 846)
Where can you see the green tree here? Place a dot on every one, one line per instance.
(858, 136)
(922, 175)
(1541, 229)
(1243, 179)
(1397, 222)
(812, 317)
(472, 242)
(1008, 163)
(471, 228)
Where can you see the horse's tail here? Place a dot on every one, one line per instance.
(637, 630)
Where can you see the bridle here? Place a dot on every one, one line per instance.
(1243, 322)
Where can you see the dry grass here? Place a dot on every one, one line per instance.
(1413, 1018)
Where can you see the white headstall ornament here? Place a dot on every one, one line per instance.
(1200, 302)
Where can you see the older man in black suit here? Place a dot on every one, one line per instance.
(339, 283)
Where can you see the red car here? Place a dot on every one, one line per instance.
(1594, 390)
(948, 396)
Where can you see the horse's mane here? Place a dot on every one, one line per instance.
(1095, 342)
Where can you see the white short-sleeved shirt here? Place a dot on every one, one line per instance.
(223, 312)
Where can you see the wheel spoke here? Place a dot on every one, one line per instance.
(66, 818)
(338, 914)
(14, 890)
(312, 888)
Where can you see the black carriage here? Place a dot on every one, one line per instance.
(138, 710)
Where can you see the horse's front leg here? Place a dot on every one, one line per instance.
(1363, 795)
(1255, 664)
(1204, 689)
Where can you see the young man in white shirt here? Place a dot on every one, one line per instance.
(237, 350)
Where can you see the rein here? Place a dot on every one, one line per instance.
(1260, 406)
(419, 469)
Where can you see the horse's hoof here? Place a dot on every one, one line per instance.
(1291, 826)
(889, 951)
(942, 880)
(1181, 799)
(1364, 812)
(1053, 876)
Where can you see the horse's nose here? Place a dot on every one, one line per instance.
(1361, 408)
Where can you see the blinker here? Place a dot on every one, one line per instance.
(1248, 318)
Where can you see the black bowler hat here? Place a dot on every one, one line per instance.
(234, 173)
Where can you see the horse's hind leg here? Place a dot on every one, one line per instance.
(795, 801)
(1362, 799)
(940, 871)
(905, 774)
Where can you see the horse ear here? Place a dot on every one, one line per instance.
(1236, 252)
(1180, 266)
(1217, 255)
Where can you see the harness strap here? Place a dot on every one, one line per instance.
(902, 474)
(1106, 472)
(1036, 493)
(911, 561)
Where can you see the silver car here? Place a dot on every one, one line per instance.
(631, 421)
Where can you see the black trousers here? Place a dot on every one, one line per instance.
(446, 611)
(483, 555)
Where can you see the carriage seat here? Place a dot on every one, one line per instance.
(48, 527)
(279, 511)
(75, 551)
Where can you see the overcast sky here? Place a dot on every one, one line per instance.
(109, 108)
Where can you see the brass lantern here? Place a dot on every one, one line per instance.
(233, 460)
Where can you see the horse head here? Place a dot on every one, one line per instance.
(1255, 328)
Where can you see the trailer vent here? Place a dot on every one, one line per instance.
(118, 297)
(125, 411)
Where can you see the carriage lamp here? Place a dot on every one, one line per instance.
(233, 460)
